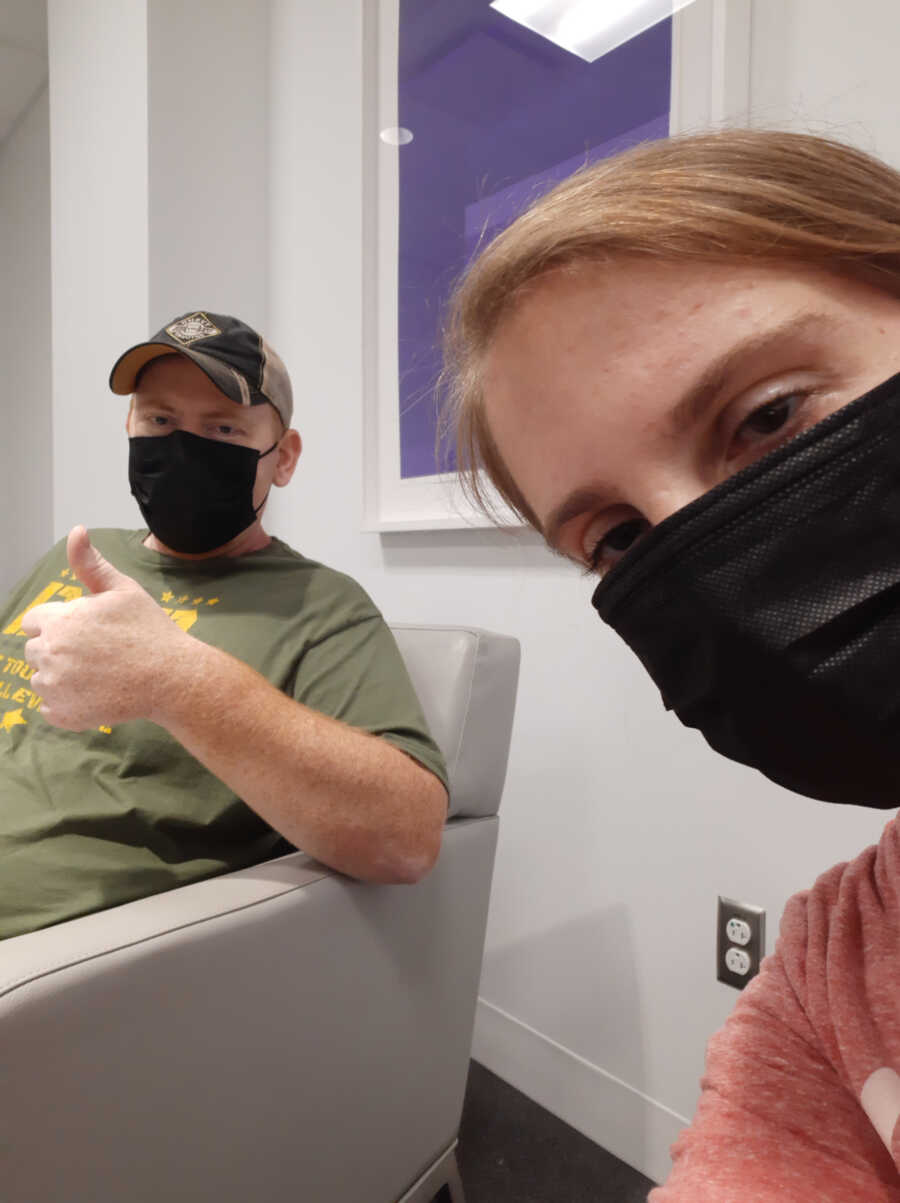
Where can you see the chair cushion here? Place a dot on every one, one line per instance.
(466, 680)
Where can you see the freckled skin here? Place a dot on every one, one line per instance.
(582, 376)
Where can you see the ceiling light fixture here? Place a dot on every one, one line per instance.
(396, 135)
(588, 28)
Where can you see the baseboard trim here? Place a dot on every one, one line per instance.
(629, 1124)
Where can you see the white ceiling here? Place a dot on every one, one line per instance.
(23, 57)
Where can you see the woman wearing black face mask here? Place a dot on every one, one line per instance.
(682, 367)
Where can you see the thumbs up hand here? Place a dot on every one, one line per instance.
(100, 659)
(89, 566)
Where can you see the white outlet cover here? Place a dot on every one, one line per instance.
(737, 961)
(738, 931)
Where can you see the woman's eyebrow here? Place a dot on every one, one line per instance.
(694, 403)
(716, 377)
(579, 500)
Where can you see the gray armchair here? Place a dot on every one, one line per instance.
(279, 1033)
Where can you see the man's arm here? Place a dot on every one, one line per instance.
(346, 797)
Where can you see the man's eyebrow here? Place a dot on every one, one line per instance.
(149, 399)
(214, 412)
(226, 415)
(694, 403)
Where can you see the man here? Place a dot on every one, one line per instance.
(193, 698)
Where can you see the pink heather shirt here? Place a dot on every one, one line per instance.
(801, 1093)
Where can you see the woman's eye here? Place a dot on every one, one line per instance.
(768, 419)
(225, 429)
(608, 550)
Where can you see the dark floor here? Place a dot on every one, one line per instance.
(513, 1151)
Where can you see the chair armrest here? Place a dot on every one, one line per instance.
(27, 958)
(281, 1025)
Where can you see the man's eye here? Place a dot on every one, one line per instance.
(769, 418)
(224, 428)
(610, 549)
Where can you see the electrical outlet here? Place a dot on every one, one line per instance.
(737, 960)
(738, 931)
(740, 942)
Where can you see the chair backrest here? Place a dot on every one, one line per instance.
(466, 680)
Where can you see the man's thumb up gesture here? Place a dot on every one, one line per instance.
(101, 659)
(95, 573)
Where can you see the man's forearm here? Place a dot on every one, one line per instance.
(347, 798)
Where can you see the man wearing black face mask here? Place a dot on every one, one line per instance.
(180, 701)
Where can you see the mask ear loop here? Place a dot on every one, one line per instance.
(262, 455)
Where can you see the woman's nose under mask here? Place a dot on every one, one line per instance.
(768, 610)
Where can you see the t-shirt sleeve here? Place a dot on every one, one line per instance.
(356, 674)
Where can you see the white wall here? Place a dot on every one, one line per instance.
(829, 68)
(25, 442)
(98, 148)
(208, 158)
(619, 827)
(159, 137)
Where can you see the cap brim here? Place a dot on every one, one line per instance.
(127, 368)
(124, 374)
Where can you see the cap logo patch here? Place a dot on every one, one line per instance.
(188, 329)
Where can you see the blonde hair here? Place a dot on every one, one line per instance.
(737, 195)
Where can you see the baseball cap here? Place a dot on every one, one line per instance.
(236, 359)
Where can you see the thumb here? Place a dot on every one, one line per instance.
(88, 565)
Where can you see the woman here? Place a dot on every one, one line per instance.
(682, 367)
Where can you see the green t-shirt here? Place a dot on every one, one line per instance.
(95, 818)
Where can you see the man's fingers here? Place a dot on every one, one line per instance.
(33, 621)
(89, 566)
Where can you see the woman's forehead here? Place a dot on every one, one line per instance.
(625, 299)
(602, 332)
(590, 358)
(628, 323)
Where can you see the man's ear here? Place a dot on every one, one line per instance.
(288, 453)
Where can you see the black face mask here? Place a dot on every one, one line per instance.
(768, 610)
(195, 494)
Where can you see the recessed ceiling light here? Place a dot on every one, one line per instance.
(396, 135)
(588, 28)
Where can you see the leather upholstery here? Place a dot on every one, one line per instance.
(462, 676)
(280, 1032)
